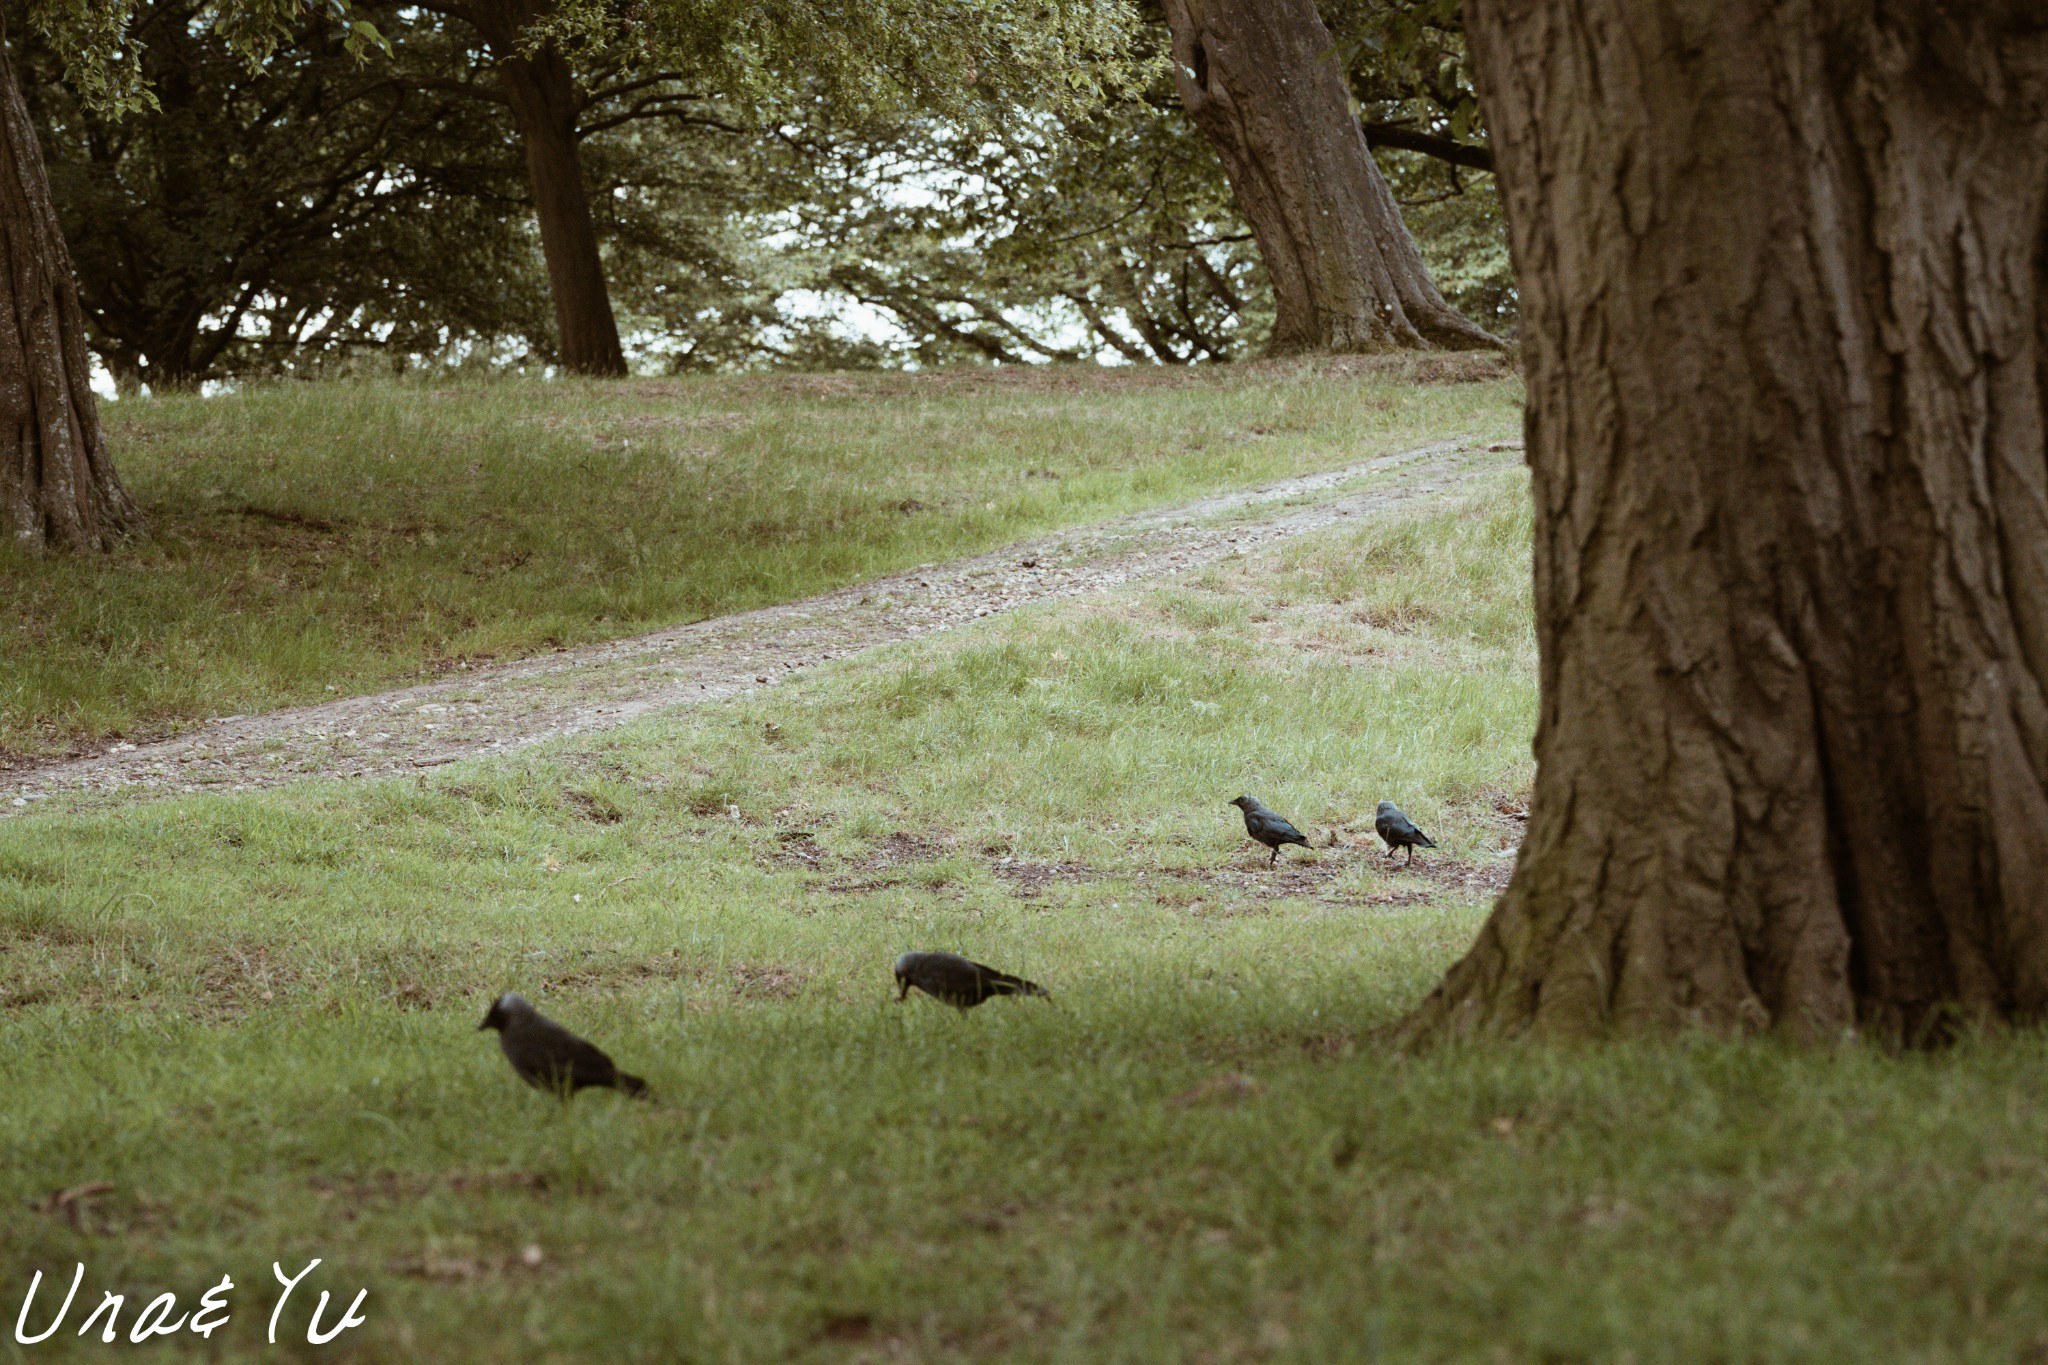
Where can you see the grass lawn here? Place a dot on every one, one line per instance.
(308, 540)
(248, 1023)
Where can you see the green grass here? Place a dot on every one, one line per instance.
(313, 540)
(254, 1016)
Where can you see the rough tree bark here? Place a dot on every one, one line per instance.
(1782, 266)
(1261, 79)
(542, 93)
(58, 488)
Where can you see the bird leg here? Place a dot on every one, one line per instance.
(1275, 859)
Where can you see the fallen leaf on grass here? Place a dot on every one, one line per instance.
(66, 1199)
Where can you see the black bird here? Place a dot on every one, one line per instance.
(1399, 831)
(1267, 827)
(548, 1056)
(958, 980)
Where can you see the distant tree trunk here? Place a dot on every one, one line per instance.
(542, 93)
(57, 482)
(1782, 266)
(170, 357)
(126, 367)
(1261, 79)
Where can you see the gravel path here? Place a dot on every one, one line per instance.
(508, 706)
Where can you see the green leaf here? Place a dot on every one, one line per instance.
(363, 36)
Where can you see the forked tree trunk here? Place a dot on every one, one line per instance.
(542, 93)
(1261, 79)
(57, 483)
(1782, 268)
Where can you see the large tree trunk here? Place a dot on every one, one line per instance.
(1261, 79)
(1782, 268)
(57, 482)
(542, 93)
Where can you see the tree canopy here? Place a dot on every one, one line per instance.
(962, 58)
(260, 186)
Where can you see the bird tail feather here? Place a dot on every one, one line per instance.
(632, 1085)
(1016, 985)
(1425, 840)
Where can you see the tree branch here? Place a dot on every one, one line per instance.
(1429, 144)
(1218, 285)
(1103, 328)
(612, 92)
(654, 106)
(448, 85)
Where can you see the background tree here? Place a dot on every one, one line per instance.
(1115, 234)
(551, 109)
(1782, 265)
(229, 234)
(557, 65)
(1262, 79)
(1110, 234)
(57, 483)
(323, 210)
(1411, 82)
(273, 220)
(1108, 231)
(1104, 232)
(58, 487)
(695, 216)
(1405, 64)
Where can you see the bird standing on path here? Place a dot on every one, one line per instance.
(548, 1056)
(1267, 827)
(957, 980)
(1399, 831)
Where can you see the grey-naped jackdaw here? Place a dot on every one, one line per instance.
(548, 1056)
(1399, 831)
(1268, 827)
(958, 980)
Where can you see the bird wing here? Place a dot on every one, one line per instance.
(589, 1065)
(566, 1056)
(952, 979)
(1280, 829)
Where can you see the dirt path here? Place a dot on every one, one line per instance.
(508, 706)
